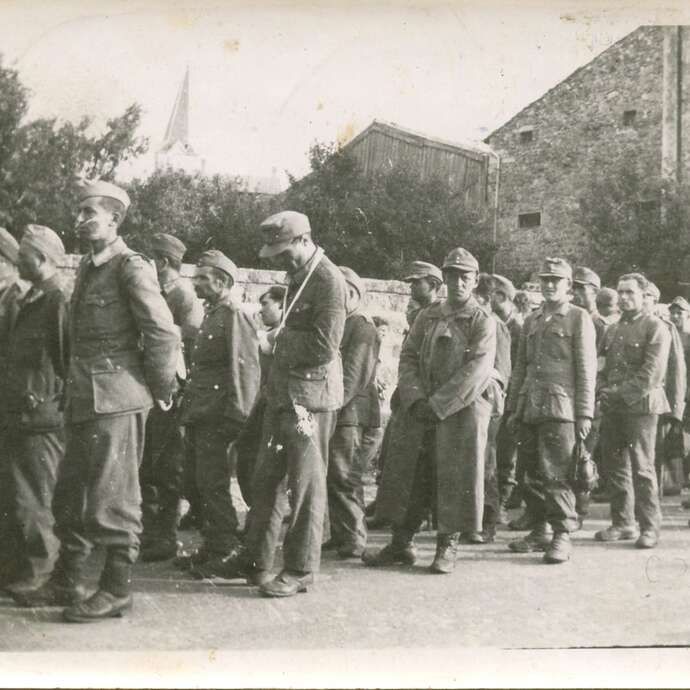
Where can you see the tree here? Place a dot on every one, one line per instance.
(377, 224)
(41, 159)
(636, 222)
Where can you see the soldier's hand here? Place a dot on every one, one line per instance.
(423, 411)
(583, 425)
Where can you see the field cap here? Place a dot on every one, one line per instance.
(652, 291)
(109, 190)
(422, 269)
(586, 276)
(680, 303)
(280, 229)
(45, 240)
(461, 260)
(168, 245)
(216, 259)
(557, 268)
(504, 285)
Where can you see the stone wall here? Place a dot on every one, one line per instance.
(577, 128)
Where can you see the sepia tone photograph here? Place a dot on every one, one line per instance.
(344, 344)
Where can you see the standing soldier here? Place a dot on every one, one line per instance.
(305, 390)
(445, 372)
(223, 384)
(551, 402)
(37, 359)
(9, 250)
(163, 468)
(359, 351)
(632, 398)
(123, 352)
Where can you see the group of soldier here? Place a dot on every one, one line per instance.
(119, 400)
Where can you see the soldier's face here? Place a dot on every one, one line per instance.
(95, 222)
(270, 311)
(630, 296)
(554, 288)
(353, 299)
(678, 316)
(648, 302)
(422, 290)
(29, 263)
(206, 283)
(584, 295)
(459, 284)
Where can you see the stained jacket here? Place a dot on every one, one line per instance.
(123, 342)
(448, 357)
(675, 376)
(359, 350)
(307, 369)
(225, 377)
(636, 350)
(37, 357)
(554, 376)
(187, 311)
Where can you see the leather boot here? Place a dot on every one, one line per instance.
(559, 549)
(234, 564)
(99, 606)
(446, 554)
(401, 551)
(61, 589)
(538, 539)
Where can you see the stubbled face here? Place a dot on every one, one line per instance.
(271, 311)
(29, 263)
(555, 288)
(422, 290)
(206, 283)
(630, 296)
(95, 222)
(459, 284)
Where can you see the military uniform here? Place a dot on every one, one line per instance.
(553, 385)
(162, 471)
(304, 392)
(221, 390)
(359, 351)
(636, 350)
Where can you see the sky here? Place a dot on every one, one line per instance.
(270, 78)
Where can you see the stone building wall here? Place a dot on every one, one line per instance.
(577, 127)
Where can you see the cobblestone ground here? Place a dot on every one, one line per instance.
(607, 595)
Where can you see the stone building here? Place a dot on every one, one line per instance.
(632, 99)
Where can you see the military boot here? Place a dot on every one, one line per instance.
(60, 590)
(538, 539)
(401, 551)
(559, 549)
(525, 522)
(234, 564)
(446, 554)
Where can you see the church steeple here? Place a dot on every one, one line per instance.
(176, 152)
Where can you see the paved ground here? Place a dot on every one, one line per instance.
(608, 595)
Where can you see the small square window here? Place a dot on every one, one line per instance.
(529, 220)
(629, 117)
(527, 136)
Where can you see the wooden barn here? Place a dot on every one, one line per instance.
(466, 167)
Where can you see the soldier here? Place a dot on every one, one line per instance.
(36, 356)
(632, 397)
(607, 305)
(670, 424)
(305, 390)
(551, 403)
(9, 250)
(359, 351)
(163, 468)
(123, 352)
(445, 373)
(484, 294)
(223, 384)
(510, 477)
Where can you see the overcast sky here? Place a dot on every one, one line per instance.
(267, 79)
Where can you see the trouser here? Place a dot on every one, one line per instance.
(35, 459)
(303, 459)
(629, 442)
(209, 444)
(247, 448)
(491, 491)
(668, 476)
(190, 489)
(510, 475)
(161, 476)
(8, 527)
(592, 443)
(546, 449)
(98, 499)
(449, 473)
(370, 448)
(344, 486)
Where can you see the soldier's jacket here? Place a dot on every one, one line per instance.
(636, 350)
(35, 342)
(514, 324)
(496, 392)
(307, 369)
(225, 377)
(554, 376)
(123, 342)
(187, 311)
(600, 326)
(359, 350)
(675, 377)
(448, 357)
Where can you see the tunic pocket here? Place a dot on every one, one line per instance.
(119, 390)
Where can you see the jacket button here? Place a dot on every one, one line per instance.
(215, 386)
(210, 337)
